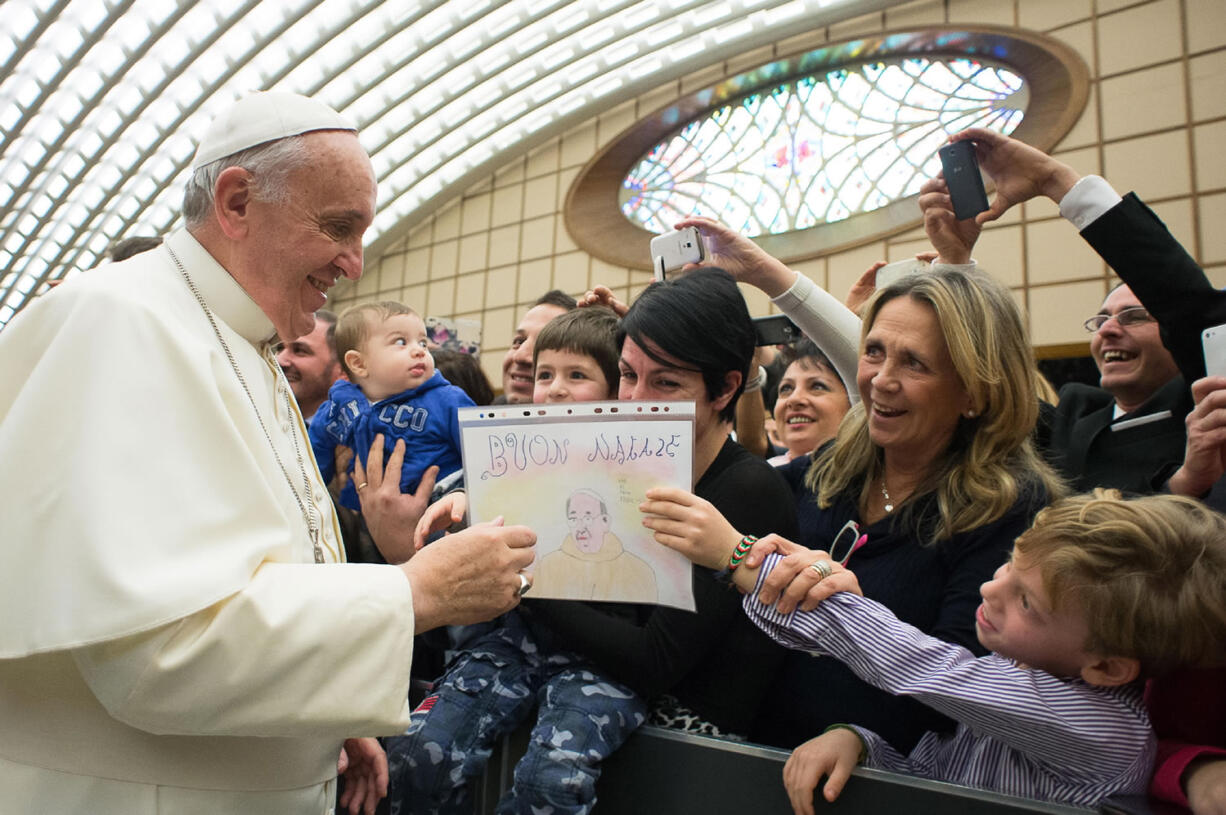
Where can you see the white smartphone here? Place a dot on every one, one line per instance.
(673, 250)
(899, 269)
(1213, 340)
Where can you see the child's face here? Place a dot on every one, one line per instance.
(1016, 621)
(564, 376)
(395, 357)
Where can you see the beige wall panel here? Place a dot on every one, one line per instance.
(537, 238)
(1152, 166)
(689, 83)
(473, 252)
(1207, 75)
(1177, 215)
(416, 267)
(496, 330)
(491, 362)
(1210, 143)
(845, 268)
(1217, 276)
(1213, 229)
(508, 205)
(653, 100)
(918, 13)
(470, 292)
(1055, 252)
(999, 253)
(906, 250)
(535, 278)
(578, 145)
(998, 12)
(814, 269)
(541, 195)
(1080, 38)
(412, 296)
(865, 24)
(447, 222)
(570, 272)
(804, 41)
(614, 122)
(543, 160)
(422, 235)
(1044, 15)
(1143, 101)
(1139, 36)
(504, 245)
(606, 274)
(500, 286)
(513, 173)
(1057, 312)
(475, 214)
(756, 301)
(368, 285)
(1206, 24)
(562, 241)
(440, 298)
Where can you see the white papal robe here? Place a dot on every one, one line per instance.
(167, 643)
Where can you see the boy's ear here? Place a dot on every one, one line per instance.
(353, 359)
(1110, 672)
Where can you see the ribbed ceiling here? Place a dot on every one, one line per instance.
(101, 101)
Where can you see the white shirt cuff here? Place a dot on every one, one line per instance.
(1088, 200)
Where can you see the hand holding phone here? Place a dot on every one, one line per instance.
(673, 250)
(961, 169)
(1213, 341)
(777, 329)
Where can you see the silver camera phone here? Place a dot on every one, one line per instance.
(673, 250)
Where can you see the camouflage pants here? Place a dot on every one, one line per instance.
(486, 693)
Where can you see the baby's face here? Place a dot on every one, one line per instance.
(396, 357)
(564, 376)
(1016, 620)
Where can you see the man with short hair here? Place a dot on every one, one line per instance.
(310, 364)
(177, 632)
(518, 382)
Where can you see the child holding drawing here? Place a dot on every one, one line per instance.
(593, 666)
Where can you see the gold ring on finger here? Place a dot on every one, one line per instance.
(824, 568)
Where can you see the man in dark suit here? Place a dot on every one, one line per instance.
(1129, 432)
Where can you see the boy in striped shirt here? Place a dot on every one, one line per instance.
(1099, 593)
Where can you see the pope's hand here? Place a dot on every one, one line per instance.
(470, 576)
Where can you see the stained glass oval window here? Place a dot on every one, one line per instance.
(821, 148)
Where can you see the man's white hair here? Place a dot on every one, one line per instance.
(270, 164)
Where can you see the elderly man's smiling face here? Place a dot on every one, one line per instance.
(294, 251)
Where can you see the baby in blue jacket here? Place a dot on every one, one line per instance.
(392, 389)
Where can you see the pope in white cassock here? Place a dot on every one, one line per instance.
(177, 632)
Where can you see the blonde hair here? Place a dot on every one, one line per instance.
(991, 457)
(1148, 574)
(354, 325)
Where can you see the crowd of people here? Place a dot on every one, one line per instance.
(939, 574)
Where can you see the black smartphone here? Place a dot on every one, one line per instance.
(963, 179)
(776, 329)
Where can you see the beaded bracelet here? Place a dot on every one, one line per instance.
(741, 550)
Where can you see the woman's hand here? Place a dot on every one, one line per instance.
(863, 288)
(953, 239)
(1019, 171)
(363, 764)
(389, 513)
(741, 257)
(603, 296)
(795, 583)
(439, 516)
(833, 754)
(690, 525)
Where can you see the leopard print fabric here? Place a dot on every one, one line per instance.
(667, 711)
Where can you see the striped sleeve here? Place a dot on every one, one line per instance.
(1059, 724)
